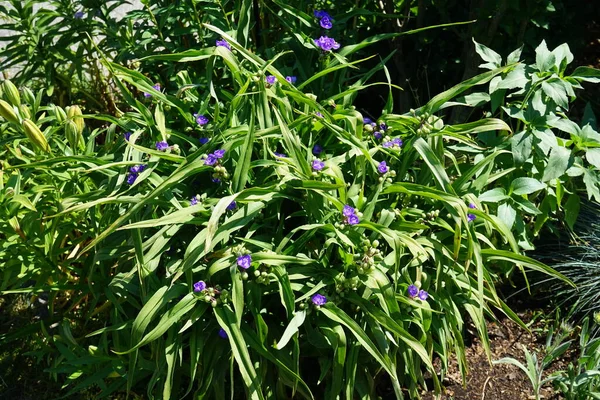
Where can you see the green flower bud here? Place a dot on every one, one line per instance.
(11, 93)
(72, 134)
(28, 96)
(35, 135)
(74, 113)
(8, 113)
(24, 111)
(60, 114)
(244, 276)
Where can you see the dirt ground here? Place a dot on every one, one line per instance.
(502, 381)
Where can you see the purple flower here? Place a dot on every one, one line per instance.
(318, 299)
(210, 160)
(155, 87)
(382, 167)
(244, 261)
(318, 114)
(318, 165)
(291, 79)
(201, 119)
(78, 15)
(396, 142)
(325, 23)
(203, 141)
(378, 135)
(352, 220)
(136, 169)
(215, 180)
(347, 211)
(423, 295)
(471, 217)
(219, 153)
(131, 178)
(232, 205)
(223, 43)
(367, 121)
(280, 155)
(222, 333)
(413, 291)
(326, 43)
(162, 146)
(199, 286)
(127, 135)
(321, 14)
(270, 79)
(383, 126)
(194, 200)
(317, 149)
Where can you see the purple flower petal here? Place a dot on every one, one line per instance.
(201, 119)
(271, 79)
(382, 167)
(318, 299)
(317, 149)
(219, 153)
(318, 165)
(244, 261)
(232, 206)
(326, 23)
(210, 160)
(222, 333)
(412, 291)
(199, 286)
(162, 146)
(423, 295)
(291, 79)
(223, 43)
(348, 211)
(203, 141)
(321, 14)
(352, 220)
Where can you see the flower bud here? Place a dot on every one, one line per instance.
(245, 276)
(72, 134)
(74, 113)
(11, 93)
(36, 136)
(59, 114)
(8, 113)
(28, 96)
(24, 111)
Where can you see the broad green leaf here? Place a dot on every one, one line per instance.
(526, 185)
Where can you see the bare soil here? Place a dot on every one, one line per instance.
(485, 381)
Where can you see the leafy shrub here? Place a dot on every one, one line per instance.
(242, 229)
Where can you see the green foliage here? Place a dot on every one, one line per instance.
(205, 266)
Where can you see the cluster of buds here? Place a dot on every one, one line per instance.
(262, 274)
(367, 260)
(212, 295)
(214, 159)
(343, 284)
(385, 173)
(429, 216)
(379, 130)
(428, 124)
(74, 127)
(11, 108)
